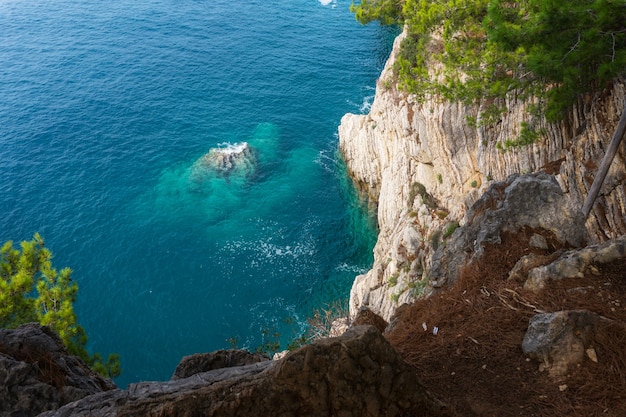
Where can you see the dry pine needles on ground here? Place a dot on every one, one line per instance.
(465, 341)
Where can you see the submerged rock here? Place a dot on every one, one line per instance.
(231, 159)
(38, 374)
(356, 374)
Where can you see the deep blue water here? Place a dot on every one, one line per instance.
(105, 107)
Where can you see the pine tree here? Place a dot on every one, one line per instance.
(466, 50)
(32, 290)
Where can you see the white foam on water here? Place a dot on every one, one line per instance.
(367, 104)
(344, 267)
(326, 2)
(232, 148)
(326, 161)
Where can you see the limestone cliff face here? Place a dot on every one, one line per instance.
(424, 165)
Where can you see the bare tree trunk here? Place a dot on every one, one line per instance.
(606, 164)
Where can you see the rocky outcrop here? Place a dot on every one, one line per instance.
(38, 374)
(533, 201)
(356, 374)
(562, 339)
(230, 159)
(576, 263)
(204, 362)
(424, 165)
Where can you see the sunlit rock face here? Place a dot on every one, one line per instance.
(424, 165)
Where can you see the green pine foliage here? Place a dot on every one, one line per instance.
(465, 50)
(32, 290)
(572, 46)
(387, 12)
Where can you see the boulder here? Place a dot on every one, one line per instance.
(204, 362)
(356, 374)
(560, 340)
(38, 374)
(576, 263)
(365, 316)
(533, 201)
(231, 159)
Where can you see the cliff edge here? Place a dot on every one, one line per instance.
(423, 165)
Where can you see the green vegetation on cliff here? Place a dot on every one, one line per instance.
(32, 290)
(469, 49)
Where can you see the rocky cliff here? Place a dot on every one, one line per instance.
(424, 164)
(38, 374)
(356, 374)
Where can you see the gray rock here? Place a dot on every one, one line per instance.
(533, 201)
(576, 263)
(559, 340)
(38, 374)
(526, 263)
(538, 242)
(356, 374)
(365, 316)
(233, 159)
(203, 362)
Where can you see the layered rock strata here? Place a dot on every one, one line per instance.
(424, 165)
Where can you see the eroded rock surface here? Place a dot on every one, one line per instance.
(356, 374)
(204, 362)
(576, 263)
(532, 201)
(231, 159)
(37, 373)
(561, 340)
(424, 165)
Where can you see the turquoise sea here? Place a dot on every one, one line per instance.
(106, 109)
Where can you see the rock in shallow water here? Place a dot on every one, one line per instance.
(232, 159)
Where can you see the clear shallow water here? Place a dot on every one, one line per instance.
(105, 107)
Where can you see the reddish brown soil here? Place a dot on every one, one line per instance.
(475, 363)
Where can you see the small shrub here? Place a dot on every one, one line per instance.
(392, 280)
(321, 321)
(418, 287)
(419, 189)
(233, 342)
(271, 342)
(297, 343)
(450, 228)
(528, 135)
